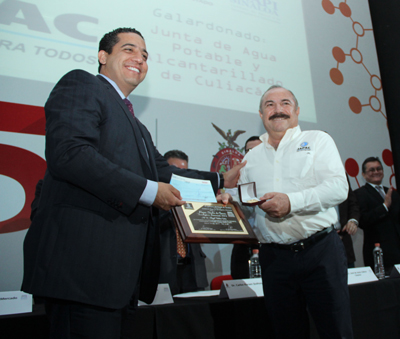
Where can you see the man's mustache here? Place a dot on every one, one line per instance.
(279, 115)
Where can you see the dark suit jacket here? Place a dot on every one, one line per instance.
(349, 209)
(35, 202)
(379, 225)
(169, 256)
(91, 240)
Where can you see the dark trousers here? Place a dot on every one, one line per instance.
(72, 320)
(314, 279)
(185, 279)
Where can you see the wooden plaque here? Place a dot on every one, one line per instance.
(213, 223)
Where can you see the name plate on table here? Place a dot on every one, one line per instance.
(395, 271)
(15, 302)
(241, 288)
(163, 296)
(360, 275)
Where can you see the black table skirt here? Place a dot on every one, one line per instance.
(375, 313)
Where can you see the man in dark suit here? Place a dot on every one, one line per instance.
(92, 245)
(349, 215)
(35, 202)
(380, 207)
(184, 271)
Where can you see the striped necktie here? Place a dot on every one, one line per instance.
(130, 107)
(381, 191)
(181, 247)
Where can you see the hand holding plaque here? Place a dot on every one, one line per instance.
(203, 221)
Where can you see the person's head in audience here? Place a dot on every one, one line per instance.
(177, 158)
(372, 170)
(251, 143)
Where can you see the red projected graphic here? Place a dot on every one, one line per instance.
(387, 158)
(356, 55)
(26, 168)
(21, 164)
(352, 169)
(22, 118)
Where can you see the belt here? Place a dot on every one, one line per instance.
(303, 244)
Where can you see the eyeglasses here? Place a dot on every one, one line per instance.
(375, 169)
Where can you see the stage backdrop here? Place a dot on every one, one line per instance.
(210, 61)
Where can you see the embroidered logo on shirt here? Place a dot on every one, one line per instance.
(304, 147)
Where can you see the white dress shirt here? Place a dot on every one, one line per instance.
(307, 167)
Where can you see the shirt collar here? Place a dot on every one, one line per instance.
(113, 84)
(290, 134)
(375, 186)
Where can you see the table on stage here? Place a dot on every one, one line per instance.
(375, 310)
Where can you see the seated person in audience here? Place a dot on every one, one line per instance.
(380, 207)
(241, 253)
(185, 272)
(349, 215)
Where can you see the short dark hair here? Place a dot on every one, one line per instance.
(296, 103)
(253, 138)
(370, 159)
(110, 39)
(176, 154)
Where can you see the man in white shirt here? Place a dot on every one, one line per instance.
(303, 261)
(380, 208)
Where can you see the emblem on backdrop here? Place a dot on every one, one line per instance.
(229, 153)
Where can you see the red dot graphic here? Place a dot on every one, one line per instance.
(351, 167)
(328, 6)
(336, 76)
(338, 54)
(387, 157)
(355, 105)
(345, 9)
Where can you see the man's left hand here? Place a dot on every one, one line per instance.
(231, 177)
(224, 198)
(350, 228)
(277, 205)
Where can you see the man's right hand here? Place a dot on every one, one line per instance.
(231, 177)
(276, 205)
(167, 196)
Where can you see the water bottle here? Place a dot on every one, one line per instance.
(254, 265)
(379, 269)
